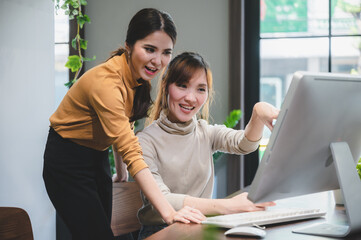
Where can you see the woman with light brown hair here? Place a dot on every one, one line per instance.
(178, 145)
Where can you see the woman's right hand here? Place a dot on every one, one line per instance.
(187, 215)
(241, 203)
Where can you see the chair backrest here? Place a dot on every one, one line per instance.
(15, 224)
(126, 203)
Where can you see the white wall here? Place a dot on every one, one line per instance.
(26, 102)
(202, 27)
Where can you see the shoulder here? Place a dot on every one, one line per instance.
(205, 126)
(101, 76)
(149, 132)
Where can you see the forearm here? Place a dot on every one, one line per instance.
(208, 206)
(254, 129)
(236, 204)
(150, 189)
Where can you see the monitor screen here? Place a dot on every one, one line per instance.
(319, 108)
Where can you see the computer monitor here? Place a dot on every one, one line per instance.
(319, 121)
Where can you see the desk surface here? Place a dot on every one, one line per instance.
(323, 201)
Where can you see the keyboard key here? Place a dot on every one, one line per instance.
(270, 216)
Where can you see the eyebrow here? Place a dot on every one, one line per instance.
(202, 85)
(151, 46)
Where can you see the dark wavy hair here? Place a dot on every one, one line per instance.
(143, 23)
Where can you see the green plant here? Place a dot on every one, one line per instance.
(358, 167)
(111, 161)
(231, 121)
(73, 8)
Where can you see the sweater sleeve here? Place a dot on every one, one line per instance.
(150, 157)
(108, 103)
(230, 140)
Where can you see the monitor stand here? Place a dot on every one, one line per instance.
(350, 185)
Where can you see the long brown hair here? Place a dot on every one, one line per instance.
(180, 70)
(143, 23)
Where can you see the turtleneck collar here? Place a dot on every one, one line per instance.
(176, 128)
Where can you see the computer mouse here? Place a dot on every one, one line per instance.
(246, 231)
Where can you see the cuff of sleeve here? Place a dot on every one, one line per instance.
(136, 166)
(176, 200)
(247, 145)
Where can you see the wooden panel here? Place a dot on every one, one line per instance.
(15, 224)
(126, 203)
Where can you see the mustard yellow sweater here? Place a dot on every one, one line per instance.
(95, 112)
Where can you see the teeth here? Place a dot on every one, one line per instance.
(188, 108)
(151, 69)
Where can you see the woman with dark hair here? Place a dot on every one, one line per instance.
(178, 146)
(98, 111)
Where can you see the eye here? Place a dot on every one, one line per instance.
(167, 52)
(182, 85)
(202, 89)
(150, 50)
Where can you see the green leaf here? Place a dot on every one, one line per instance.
(358, 167)
(73, 42)
(231, 121)
(75, 12)
(75, 5)
(74, 63)
(70, 83)
(88, 59)
(233, 118)
(64, 6)
(83, 43)
(82, 20)
(83, 2)
(111, 160)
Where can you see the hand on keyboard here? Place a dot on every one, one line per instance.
(240, 203)
(263, 217)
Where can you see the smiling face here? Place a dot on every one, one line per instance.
(186, 99)
(150, 55)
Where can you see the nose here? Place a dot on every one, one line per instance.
(190, 97)
(157, 60)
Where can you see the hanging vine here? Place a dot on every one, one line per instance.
(73, 8)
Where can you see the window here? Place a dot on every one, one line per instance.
(270, 40)
(61, 27)
(305, 35)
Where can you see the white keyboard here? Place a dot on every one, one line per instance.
(270, 216)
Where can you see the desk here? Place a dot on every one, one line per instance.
(323, 201)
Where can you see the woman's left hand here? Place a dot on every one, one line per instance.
(188, 214)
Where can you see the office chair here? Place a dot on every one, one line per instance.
(126, 203)
(15, 224)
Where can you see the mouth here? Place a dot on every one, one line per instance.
(151, 70)
(186, 107)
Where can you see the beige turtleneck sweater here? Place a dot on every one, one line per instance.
(180, 159)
